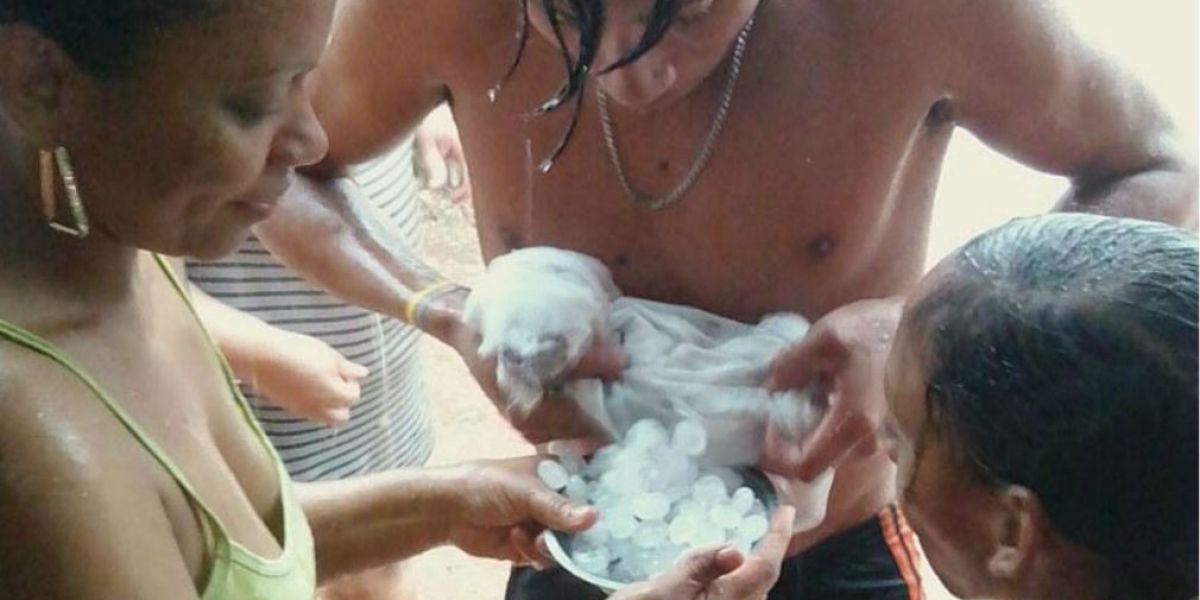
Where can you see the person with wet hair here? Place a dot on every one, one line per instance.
(741, 156)
(1043, 389)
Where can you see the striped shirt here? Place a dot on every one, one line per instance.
(390, 426)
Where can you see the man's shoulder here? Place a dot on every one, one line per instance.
(921, 17)
(457, 23)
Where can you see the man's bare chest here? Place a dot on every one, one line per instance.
(808, 180)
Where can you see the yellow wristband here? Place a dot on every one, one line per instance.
(414, 303)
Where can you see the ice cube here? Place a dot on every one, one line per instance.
(743, 500)
(723, 515)
(624, 572)
(676, 469)
(646, 434)
(597, 535)
(660, 559)
(758, 508)
(592, 559)
(553, 474)
(630, 480)
(605, 499)
(608, 481)
(690, 507)
(620, 522)
(676, 493)
(753, 528)
(567, 457)
(652, 478)
(633, 566)
(650, 534)
(708, 535)
(622, 549)
(578, 490)
(709, 489)
(683, 528)
(650, 506)
(689, 437)
(729, 476)
(625, 480)
(602, 460)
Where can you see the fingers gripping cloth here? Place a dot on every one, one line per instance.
(539, 310)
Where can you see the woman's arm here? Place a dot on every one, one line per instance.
(493, 509)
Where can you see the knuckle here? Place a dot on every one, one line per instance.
(836, 343)
(858, 425)
(536, 436)
(770, 570)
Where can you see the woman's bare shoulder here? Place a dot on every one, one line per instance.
(74, 521)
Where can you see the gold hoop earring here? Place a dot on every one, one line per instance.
(62, 159)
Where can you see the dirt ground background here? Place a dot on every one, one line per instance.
(1155, 39)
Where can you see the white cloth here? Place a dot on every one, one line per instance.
(539, 310)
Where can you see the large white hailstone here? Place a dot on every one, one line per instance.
(656, 503)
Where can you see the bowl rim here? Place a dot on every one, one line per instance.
(559, 553)
(560, 556)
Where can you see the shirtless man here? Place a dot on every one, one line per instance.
(816, 197)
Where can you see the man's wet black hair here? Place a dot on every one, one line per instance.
(1061, 355)
(586, 18)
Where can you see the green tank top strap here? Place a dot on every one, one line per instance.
(235, 573)
(31, 341)
(226, 370)
(210, 524)
(245, 574)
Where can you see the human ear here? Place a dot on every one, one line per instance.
(1016, 532)
(33, 70)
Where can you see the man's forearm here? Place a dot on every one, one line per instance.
(341, 244)
(1166, 193)
(370, 521)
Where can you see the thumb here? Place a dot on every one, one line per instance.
(696, 572)
(835, 438)
(336, 417)
(554, 511)
(601, 361)
(781, 454)
(352, 370)
(820, 351)
(706, 566)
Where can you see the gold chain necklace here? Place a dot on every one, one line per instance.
(706, 149)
